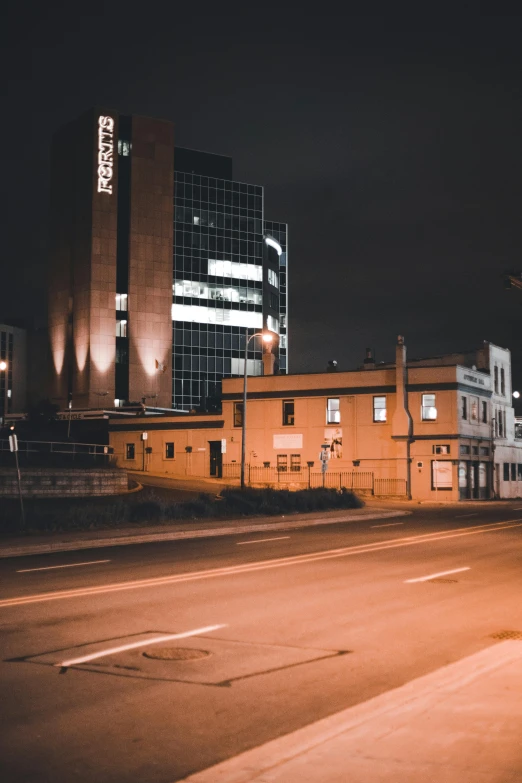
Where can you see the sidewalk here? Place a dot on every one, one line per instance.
(88, 539)
(460, 724)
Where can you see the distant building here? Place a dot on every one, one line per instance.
(160, 264)
(13, 370)
(440, 428)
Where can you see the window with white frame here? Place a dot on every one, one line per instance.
(379, 408)
(429, 407)
(121, 302)
(333, 411)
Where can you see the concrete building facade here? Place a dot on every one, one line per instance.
(422, 428)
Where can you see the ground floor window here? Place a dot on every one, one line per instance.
(130, 450)
(282, 463)
(441, 474)
(295, 463)
(169, 450)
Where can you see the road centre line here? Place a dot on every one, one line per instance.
(389, 524)
(144, 643)
(261, 565)
(436, 576)
(69, 565)
(260, 540)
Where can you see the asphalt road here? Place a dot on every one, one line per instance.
(274, 631)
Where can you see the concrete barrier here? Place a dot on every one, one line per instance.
(53, 482)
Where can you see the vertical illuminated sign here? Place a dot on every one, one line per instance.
(105, 154)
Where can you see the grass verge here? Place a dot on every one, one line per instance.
(150, 508)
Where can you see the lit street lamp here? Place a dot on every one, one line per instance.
(267, 338)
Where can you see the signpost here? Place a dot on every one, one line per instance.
(324, 456)
(13, 446)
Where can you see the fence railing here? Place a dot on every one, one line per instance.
(356, 480)
(389, 486)
(35, 450)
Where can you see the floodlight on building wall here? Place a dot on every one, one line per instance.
(272, 243)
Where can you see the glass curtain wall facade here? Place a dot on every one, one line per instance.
(279, 231)
(219, 285)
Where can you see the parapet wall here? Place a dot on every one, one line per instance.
(48, 482)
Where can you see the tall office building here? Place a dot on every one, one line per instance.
(161, 265)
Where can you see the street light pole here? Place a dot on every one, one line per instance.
(3, 368)
(267, 338)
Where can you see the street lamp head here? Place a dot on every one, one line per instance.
(267, 337)
(516, 395)
(3, 365)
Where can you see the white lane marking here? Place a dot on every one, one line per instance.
(460, 516)
(389, 524)
(435, 576)
(113, 650)
(68, 565)
(261, 565)
(519, 508)
(261, 540)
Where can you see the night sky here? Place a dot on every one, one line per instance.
(391, 144)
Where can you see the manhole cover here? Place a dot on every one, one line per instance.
(507, 635)
(175, 653)
(444, 581)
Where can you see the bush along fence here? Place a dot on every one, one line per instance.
(361, 481)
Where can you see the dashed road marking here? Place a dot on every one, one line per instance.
(435, 576)
(67, 565)
(261, 540)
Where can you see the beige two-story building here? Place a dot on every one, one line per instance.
(425, 429)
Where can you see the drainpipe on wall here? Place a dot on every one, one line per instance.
(402, 423)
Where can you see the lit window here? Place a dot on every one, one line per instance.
(121, 302)
(295, 463)
(196, 220)
(124, 148)
(272, 324)
(429, 409)
(235, 269)
(214, 315)
(129, 451)
(288, 412)
(379, 408)
(282, 341)
(273, 278)
(473, 408)
(118, 403)
(9, 393)
(169, 450)
(121, 328)
(238, 414)
(333, 412)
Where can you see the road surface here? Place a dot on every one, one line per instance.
(154, 661)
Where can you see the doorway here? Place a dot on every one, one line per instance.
(216, 459)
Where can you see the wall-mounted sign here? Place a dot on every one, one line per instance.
(288, 441)
(105, 153)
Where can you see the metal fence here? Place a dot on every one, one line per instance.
(356, 480)
(39, 451)
(349, 479)
(389, 486)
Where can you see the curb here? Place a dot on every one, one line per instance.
(176, 535)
